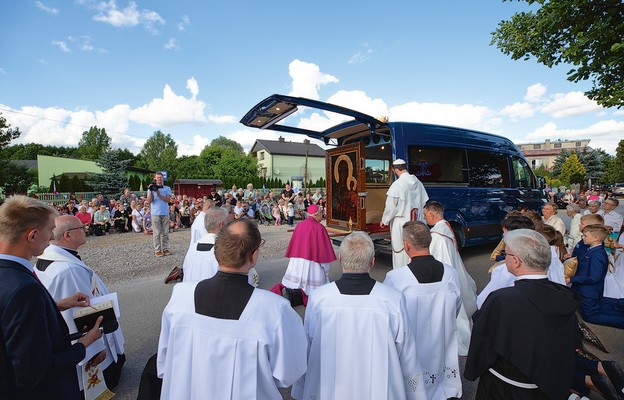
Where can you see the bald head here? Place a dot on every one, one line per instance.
(68, 232)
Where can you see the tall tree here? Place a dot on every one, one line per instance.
(572, 171)
(159, 152)
(225, 143)
(94, 143)
(125, 154)
(7, 133)
(615, 171)
(112, 180)
(596, 163)
(584, 34)
(556, 167)
(15, 178)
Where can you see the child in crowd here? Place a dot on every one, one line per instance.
(147, 221)
(590, 277)
(277, 215)
(291, 214)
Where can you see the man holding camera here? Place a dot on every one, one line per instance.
(159, 196)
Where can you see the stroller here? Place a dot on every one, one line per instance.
(264, 214)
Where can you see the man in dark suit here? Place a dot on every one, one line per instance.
(37, 359)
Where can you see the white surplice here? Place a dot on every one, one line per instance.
(199, 265)
(405, 200)
(198, 228)
(201, 357)
(433, 309)
(66, 276)
(502, 278)
(444, 249)
(360, 347)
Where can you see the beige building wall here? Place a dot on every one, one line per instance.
(545, 153)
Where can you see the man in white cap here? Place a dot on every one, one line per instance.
(405, 200)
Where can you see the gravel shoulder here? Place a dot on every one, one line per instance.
(121, 257)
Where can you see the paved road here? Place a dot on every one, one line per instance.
(142, 302)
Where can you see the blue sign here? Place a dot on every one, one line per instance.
(164, 174)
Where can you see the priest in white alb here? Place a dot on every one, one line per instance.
(361, 345)
(433, 301)
(405, 200)
(221, 338)
(63, 273)
(445, 249)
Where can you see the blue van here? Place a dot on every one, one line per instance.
(477, 176)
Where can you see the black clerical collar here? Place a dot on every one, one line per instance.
(72, 252)
(426, 269)
(223, 296)
(355, 283)
(204, 246)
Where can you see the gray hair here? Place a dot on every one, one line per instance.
(593, 203)
(357, 252)
(573, 208)
(530, 247)
(62, 224)
(215, 218)
(417, 234)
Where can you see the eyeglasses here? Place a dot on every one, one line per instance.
(77, 227)
(262, 242)
(513, 255)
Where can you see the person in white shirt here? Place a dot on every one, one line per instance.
(549, 212)
(221, 338)
(137, 216)
(361, 345)
(405, 200)
(445, 249)
(433, 301)
(574, 213)
(198, 229)
(613, 220)
(62, 272)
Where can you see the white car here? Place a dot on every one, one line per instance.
(618, 189)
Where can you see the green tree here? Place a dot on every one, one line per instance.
(76, 184)
(615, 170)
(125, 154)
(158, 153)
(558, 163)
(225, 143)
(584, 34)
(93, 143)
(112, 180)
(234, 168)
(189, 167)
(572, 170)
(596, 163)
(14, 178)
(7, 133)
(64, 184)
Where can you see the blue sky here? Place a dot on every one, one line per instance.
(193, 68)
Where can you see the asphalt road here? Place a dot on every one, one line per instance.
(143, 300)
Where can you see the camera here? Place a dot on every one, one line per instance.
(153, 186)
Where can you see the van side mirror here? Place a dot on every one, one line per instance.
(541, 182)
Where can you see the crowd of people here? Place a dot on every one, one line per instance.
(222, 337)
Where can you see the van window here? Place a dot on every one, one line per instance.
(377, 171)
(487, 169)
(438, 164)
(522, 174)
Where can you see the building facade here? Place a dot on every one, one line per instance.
(545, 153)
(284, 160)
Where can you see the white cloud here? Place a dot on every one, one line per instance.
(222, 119)
(129, 16)
(247, 137)
(199, 142)
(361, 56)
(186, 21)
(307, 78)
(603, 134)
(535, 93)
(172, 44)
(619, 112)
(570, 104)
(83, 42)
(61, 45)
(518, 110)
(171, 109)
(45, 8)
(460, 115)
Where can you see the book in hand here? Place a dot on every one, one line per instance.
(87, 316)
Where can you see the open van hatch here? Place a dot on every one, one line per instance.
(357, 170)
